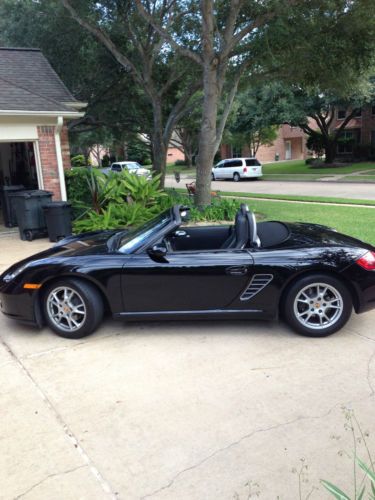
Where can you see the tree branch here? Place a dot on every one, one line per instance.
(105, 40)
(167, 37)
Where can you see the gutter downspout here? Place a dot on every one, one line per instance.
(60, 165)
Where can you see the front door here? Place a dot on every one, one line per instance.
(288, 150)
(185, 281)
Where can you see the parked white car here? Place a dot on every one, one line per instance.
(237, 169)
(133, 166)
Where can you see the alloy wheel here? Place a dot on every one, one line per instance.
(66, 308)
(318, 305)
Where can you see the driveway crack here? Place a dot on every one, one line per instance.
(243, 438)
(46, 479)
(67, 431)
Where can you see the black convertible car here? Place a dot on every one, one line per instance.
(309, 274)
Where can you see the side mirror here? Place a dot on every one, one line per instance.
(158, 251)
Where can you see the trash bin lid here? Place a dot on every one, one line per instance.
(12, 188)
(57, 204)
(30, 193)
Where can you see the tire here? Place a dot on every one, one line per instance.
(236, 177)
(79, 294)
(314, 312)
(29, 236)
(212, 176)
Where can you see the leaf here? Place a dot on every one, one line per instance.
(368, 471)
(334, 490)
(360, 496)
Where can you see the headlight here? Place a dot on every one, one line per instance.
(10, 276)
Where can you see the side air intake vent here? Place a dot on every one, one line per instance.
(258, 282)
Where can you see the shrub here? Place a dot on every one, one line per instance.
(79, 161)
(106, 161)
(180, 163)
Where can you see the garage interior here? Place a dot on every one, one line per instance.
(17, 167)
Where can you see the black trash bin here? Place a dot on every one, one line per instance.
(58, 216)
(9, 212)
(30, 216)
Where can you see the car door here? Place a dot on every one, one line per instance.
(185, 281)
(218, 170)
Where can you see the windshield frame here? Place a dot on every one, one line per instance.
(140, 239)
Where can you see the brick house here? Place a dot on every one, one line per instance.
(360, 130)
(290, 144)
(35, 107)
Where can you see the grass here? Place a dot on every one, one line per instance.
(358, 178)
(299, 167)
(355, 221)
(292, 177)
(172, 168)
(312, 199)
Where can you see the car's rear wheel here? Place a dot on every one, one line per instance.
(317, 305)
(72, 308)
(236, 177)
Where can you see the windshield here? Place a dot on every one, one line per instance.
(134, 239)
(133, 165)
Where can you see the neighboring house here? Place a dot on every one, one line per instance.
(360, 130)
(290, 144)
(174, 154)
(35, 107)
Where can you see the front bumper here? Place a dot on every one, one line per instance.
(18, 303)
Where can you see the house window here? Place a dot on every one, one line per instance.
(341, 113)
(346, 142)
(236, 152)
(373, 109)
(358, 113)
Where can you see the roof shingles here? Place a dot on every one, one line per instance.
(28, 83)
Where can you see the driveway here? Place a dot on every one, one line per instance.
(323, 188)
(190, 410)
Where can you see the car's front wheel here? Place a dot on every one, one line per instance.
(72, 308)
(317, 305)
(212, 176)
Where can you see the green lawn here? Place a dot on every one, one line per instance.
(171, 169)
(355, 221)
(358, 178)
(299, 167)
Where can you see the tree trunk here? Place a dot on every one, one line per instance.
(330, 151)
(188, 158)
(207, 136)
(159, 149)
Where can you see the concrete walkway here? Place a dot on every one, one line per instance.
(318, 188)
(181, 411)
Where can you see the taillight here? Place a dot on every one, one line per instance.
(244, 170)
(367, 261)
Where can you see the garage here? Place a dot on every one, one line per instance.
(35, 110)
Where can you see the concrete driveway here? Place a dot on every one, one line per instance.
(336, 189)
(191, 410)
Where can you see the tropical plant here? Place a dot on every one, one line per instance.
(141, 189)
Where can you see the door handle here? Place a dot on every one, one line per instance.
(236, 270)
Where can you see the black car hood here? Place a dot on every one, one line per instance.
(86, 244)
(314, 235)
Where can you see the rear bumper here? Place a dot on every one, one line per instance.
(252, 173)
(363, 286)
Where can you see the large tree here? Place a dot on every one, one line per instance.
(166, 79)
(313, 42)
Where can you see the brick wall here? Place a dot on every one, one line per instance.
(47, 150)
(65, 147)
(267, 154)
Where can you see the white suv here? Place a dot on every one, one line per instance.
(237, 169)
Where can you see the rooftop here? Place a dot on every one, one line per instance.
(29, 83)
